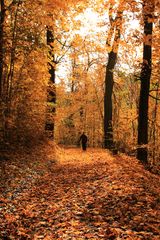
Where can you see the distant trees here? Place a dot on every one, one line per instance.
(80, 106)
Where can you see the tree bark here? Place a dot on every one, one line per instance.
(51, 92)
(108, 129)
(154, 126)
(2, 17)
(142, 151)
(115, 33)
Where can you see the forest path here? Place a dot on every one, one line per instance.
(82, 195)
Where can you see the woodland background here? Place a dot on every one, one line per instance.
(54, 61)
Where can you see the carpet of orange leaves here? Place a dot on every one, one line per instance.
(56, 193)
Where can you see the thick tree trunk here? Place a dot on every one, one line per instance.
(108, 130)
(2, 16)
(142, 151)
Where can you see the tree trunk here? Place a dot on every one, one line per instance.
(2, 16)
(51, 93)
(12, 54)
(114, 33)
(108, 130)
(154, 126)
(142, 151)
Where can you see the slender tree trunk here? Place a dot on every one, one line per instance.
(115, 33)
(2, 17)
(2, 117)
(108, 130)
(12, 54)
(142, 151)
(51, 93)
(154, 126)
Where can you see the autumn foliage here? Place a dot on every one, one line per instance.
(68, 67)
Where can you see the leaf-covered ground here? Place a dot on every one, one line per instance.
(77, 195)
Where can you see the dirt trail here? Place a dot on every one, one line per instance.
(82, 195)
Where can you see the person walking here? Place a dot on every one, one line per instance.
(83, 140)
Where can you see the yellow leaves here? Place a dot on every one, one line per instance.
(74, 223)
(66, 27)
(67, 158)
(77, 40)
(115, 46)
(119, 80)
(108, 48)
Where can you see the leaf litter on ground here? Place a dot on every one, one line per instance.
(55, 193)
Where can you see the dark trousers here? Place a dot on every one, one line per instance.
(84, 146)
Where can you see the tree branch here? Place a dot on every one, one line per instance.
(158, 99)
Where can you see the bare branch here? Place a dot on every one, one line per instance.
(158, 99)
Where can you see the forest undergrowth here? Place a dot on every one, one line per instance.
(49, 192)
